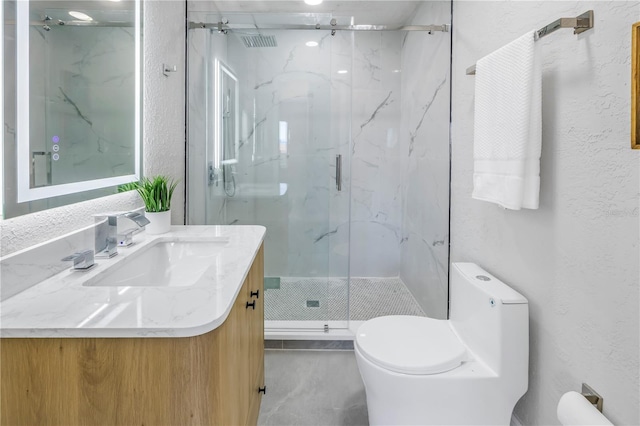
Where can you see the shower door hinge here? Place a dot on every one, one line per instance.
(167, 69)
(326, 328)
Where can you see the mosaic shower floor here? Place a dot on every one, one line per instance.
(317, 299)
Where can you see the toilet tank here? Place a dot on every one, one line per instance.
(492, 319)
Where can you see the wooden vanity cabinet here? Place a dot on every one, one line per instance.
(211, 379)
(255, 293)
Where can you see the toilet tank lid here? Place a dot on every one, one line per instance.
(488, 283)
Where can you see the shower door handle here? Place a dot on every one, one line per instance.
(339, 172)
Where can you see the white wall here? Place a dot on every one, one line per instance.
(164, 97)
(576, 258)
(163, 135)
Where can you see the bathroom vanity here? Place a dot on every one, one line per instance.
(105, 347)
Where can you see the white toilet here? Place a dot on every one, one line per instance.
(469, 370)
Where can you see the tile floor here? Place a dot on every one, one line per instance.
(310, 387)
(369, 298)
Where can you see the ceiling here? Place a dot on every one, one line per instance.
(377, 12)
(99, 10)
(380, 12)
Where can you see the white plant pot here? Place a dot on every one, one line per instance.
(160, 222)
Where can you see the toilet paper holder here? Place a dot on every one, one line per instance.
(592, 396)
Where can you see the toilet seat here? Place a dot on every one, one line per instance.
(410, 344)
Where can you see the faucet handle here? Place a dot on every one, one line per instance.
(125, 238)
(82, 260)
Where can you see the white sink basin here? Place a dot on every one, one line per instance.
(162, 264)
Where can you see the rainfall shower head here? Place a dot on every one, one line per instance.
(259, 40)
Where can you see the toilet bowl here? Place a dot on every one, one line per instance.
(468, 370)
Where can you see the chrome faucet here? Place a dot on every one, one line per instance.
(138, 218)
(106, 235)
(125, 238)
(107, 238)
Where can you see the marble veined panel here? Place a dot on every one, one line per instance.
(89, 81)
(424, 138)
(360, 95)
(375, 161)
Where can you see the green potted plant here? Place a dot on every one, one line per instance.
(156, 194)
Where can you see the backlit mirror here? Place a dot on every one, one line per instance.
(72, 101)
(226, 138)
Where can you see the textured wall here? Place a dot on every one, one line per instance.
(576, 258)
(163, 135)
(424, 138)
(164, 97)
(24, 231)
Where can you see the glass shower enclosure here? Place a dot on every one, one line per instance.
(331, 130)
(269, 141)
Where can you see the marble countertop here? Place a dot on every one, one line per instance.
(61, 306)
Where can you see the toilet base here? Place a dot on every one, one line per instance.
(468, 395)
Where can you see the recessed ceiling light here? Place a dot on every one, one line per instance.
(312, 44)
(343, 71)
(313, 2)
(397, 71)
(81, 16)
(115, 1)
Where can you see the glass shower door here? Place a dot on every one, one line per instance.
(277, 137)
(298, 126)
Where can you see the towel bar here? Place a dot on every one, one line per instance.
(580, 24)
(592, 396)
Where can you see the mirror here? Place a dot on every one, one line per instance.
(72, 101)
(226, 138)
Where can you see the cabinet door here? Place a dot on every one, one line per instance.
(256, 331)
(231, 402)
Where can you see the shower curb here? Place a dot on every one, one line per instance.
(327, 345)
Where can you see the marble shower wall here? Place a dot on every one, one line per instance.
(386, 112)
(297, 107)
(90, 78)
(284, 175)
(424, 138)
(300, 110)
(376, 207)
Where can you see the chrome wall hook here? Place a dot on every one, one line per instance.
(166, 69)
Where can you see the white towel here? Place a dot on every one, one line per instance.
(508, 125)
